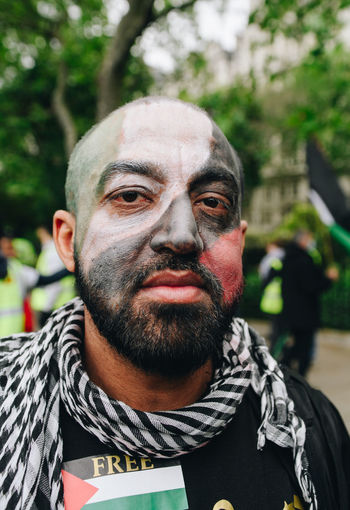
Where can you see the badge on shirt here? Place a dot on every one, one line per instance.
(121, 482)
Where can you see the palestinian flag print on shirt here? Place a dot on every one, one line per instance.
(121, 482)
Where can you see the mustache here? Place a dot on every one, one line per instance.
(133, 282)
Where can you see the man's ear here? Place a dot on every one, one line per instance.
(63, 234)
(244, 226)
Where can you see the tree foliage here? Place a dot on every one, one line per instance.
(296, 18)
(319, 104)
(62, 66)
(312, 97)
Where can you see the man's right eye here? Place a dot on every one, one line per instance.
(130, 196)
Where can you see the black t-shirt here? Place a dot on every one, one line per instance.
(227, 474)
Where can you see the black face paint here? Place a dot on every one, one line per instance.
(221, 151)
(167, 339)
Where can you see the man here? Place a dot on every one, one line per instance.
(146, 393)
(271, 302)
(47, 299)
(303, 282)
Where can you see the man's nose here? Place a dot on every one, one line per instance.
(177, 229)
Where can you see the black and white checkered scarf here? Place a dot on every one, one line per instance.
(40, 369)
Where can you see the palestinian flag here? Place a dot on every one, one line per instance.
(120, 482)
(327, 196)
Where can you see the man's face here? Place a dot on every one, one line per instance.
(161, 254)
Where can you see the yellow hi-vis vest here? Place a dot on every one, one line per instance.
(11, 302)
(271, 301)
(40, 295)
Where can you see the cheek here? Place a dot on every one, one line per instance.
(127, 239)
(126, 253)
(224, 260)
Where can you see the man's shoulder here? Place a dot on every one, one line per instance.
(29, 349)
(10, 342)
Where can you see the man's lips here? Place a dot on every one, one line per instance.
(173, 278)
(171, 286)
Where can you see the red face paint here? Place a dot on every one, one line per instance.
(224, 259)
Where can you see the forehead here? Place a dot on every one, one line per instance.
(174, 136)
(166, 121)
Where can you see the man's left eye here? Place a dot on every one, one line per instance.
(211, 202)
(217, 204)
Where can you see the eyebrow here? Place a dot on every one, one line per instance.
(214, 173)
(205, 174)
(128, 167)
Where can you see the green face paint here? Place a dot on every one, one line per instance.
(90, 157)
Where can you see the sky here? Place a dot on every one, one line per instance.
(214, 24)
(223, 28)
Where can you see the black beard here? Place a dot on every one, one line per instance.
(162, 338)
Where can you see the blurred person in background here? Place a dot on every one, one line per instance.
(25, 253)
(46, 299)
(16, 282)
(303, 282)
(271, 302)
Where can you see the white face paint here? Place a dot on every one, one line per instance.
(172, 134)
(173, 138)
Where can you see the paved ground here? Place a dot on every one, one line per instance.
(331, 371)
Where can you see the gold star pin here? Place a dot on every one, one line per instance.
(296, 505)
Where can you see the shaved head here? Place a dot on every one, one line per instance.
(100, 145)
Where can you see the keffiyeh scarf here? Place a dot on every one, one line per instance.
(38, 370)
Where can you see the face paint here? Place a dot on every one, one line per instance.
(96, 149)
(179, 147)
(189, 149)
(224, 259)
(171, 189)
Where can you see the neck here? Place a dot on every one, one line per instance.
(144, 391)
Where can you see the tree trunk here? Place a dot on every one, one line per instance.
(62, 112)
(110, 78)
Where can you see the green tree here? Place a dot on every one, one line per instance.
(63, 65)
(319, 104)
(297, 18)
(312, 97)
